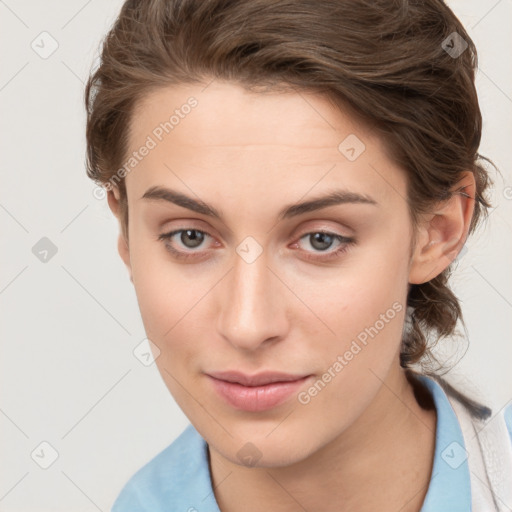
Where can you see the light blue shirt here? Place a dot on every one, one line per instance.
(178, 478)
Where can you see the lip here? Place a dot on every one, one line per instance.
(258, 392)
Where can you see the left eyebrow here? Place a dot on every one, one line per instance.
(333, 198)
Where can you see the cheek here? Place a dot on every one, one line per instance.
(365, 286)
(164, 292)
(169, 306)
(171, 300)
(366, 311)
(364, 306)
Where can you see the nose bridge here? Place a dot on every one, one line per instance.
(250, 313)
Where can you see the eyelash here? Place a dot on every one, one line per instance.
(182, 255)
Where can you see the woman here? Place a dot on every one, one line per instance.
(292, 182)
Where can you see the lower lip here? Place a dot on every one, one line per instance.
(256, 398)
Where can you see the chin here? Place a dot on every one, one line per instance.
(264, 451)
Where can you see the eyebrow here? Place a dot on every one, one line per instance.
(333, 198)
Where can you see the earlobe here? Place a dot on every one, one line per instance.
(443, 232)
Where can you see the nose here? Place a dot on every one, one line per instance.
(252, 311)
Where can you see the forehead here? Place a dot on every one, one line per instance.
(225, 136)
(226, 113)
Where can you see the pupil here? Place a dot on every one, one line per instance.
(189, 233)
(321, 238)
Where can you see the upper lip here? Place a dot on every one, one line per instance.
(258, 379)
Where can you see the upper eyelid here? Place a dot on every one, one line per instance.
(193, 222)
(303, 233)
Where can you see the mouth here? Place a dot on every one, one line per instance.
(255, 393)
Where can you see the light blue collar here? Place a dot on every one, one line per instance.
(449, 488)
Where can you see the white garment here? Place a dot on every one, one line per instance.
(489, 459)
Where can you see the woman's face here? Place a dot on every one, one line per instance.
(249, 283)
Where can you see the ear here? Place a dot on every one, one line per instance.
(442, 233)
(113, 199)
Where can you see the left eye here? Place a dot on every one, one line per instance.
(191, 239)
(322, 240)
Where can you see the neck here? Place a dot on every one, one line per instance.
(383, 461)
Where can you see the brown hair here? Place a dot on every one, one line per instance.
(389, 60)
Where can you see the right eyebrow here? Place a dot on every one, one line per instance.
(175, 197)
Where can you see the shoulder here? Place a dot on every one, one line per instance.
(168, 477)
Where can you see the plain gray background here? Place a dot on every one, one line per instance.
(69, 376)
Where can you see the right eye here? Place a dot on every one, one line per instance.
(189, 238)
